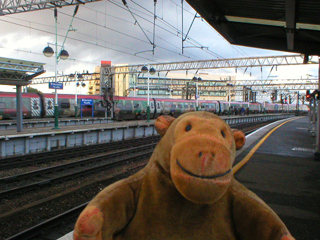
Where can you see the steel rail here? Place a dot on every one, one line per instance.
(36, 230)
(38, 158)
(40, 184)
(30, 233)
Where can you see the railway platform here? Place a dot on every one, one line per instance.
(282, 171)
(49, 122)
(41, 136)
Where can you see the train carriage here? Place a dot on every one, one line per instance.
(255, 107)
(209, 106)
(126, 108)
(31, 105)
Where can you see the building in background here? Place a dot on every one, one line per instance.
(162, 85)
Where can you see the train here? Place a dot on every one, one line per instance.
(41, 105)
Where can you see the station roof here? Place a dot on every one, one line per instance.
(19, 72)
(284, 25)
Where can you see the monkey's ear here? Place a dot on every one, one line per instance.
(239, 138)
(162, 124)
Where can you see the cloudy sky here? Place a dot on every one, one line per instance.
(106, 30)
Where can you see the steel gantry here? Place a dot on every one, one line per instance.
(284, 60)
(67, 78)
(17, 6)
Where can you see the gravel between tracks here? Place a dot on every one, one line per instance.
(34, 215)
(28, 218)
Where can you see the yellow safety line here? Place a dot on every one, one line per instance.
(253, 150)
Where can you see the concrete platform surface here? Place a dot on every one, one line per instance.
(284, 173)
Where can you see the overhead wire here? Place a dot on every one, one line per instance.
(125, 34)
(99, 39)
(177, 32)
(93, 37)
(120, 6)
(238, 49)
(76, 39)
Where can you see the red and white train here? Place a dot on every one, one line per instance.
(36, 105)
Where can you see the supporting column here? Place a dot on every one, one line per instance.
(19, 109)
(3, 148)
(317, 153)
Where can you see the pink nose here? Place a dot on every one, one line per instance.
(206, 159)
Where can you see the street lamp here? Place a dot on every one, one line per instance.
(229, 85)
(197, 90)
(63, 54)
(76, 77)
(152, 71)
(48, 52)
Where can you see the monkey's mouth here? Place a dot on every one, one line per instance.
(199, 176)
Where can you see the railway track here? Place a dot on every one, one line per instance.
(57, 155)
(42, 178)
(72, 199)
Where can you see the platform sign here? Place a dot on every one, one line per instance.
(55, 85)
(87, 102)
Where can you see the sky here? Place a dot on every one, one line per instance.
(106, 30)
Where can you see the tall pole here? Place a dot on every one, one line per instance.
(76, 97)
(19, 109)
(197, 103)
(148, 106)
(229, 98)
(56, 114)
(317, 102)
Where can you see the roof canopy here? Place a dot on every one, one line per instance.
(284, 25)
(18, 72)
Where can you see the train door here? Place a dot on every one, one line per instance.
(159, 107)
(192, 107)
(49, 107)
(99, 110)
(35, 106)
(180, 108)
(153, 107)
(138, 110)
(166, 108)
(118, 109)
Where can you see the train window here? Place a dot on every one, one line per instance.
(136, 105)
(65, 105)
(50, 105)
(158, 105)
(186, 106)
(151, 104)
(173, 106)
(2, 105)
(179, 105)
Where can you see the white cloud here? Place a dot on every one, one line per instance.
(107, 32)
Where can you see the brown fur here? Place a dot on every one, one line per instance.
(186, 191)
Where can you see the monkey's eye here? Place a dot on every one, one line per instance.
(188, 127)
(223, 134)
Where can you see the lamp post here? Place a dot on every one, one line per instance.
(197, 90)
(152, 71)
(76, 76)
(229, 96)
(48, 52)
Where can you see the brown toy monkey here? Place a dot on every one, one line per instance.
(186, 191)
